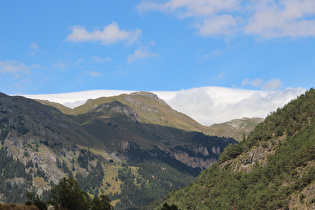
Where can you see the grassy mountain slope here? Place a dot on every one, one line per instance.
(61, 107)
(149, 108)
(237, 128)
(152, 110)
(274, 168)
(107, 148)
(31, 118)
(166, 157)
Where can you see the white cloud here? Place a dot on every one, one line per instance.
(140, 54)
(290, 18)
(34, 46)
(265, 18)
(188, 8)
(207, 105)
(94, 74)
(34, 49)
(111, 34)
(15, 67)
(255, 82)
(59, 64)
(212, 54)
(12, 66)
(272, 84)
(219, 76)
(217, 25)
(98, 59)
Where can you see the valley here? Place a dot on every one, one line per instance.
(115, 146)
(143, 154)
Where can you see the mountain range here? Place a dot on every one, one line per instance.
(153, 110)
(134, 147)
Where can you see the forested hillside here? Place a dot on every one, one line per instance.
(274, 168)
(107, 148)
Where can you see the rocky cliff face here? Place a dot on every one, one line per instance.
(196, 156)
(192, 161)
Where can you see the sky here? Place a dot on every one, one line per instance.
(264, 47)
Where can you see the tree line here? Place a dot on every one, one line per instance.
(68, 195)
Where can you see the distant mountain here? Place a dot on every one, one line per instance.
(273, 168)
(149, 108)
(152, 110)
(237, 129)
(133, 147)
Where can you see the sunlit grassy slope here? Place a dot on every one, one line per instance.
(150, 109)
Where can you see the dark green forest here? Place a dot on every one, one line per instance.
(67, 194)
(291, 131)
(9, 169)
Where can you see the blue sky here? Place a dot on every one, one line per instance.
(66, 46)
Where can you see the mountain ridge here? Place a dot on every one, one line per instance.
(107, 149)
(164, 115)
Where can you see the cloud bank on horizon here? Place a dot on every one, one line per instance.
(206, 105)
(210, 105)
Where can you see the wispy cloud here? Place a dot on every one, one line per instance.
(34, 49)
(34, 46)
(15, 67)
(217, 25)
(141, 54)
(60, 64)
(212, 54)
(219, 76)
(286, 18)
(94, 74)
(255, 82)
(267, 18)
(187, 8)
(111, 34)
(98, 59)
(272, 84)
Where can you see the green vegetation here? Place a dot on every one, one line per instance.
(67, 194)
(151, 181)
(11, 169)
(35, 200)
(135, 127)
(93, 181)
(66, 169)
(291, 131)
(84, 158)
(236, 128)
(167, 207)
(294, 117)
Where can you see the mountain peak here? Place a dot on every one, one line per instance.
(145, 93)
